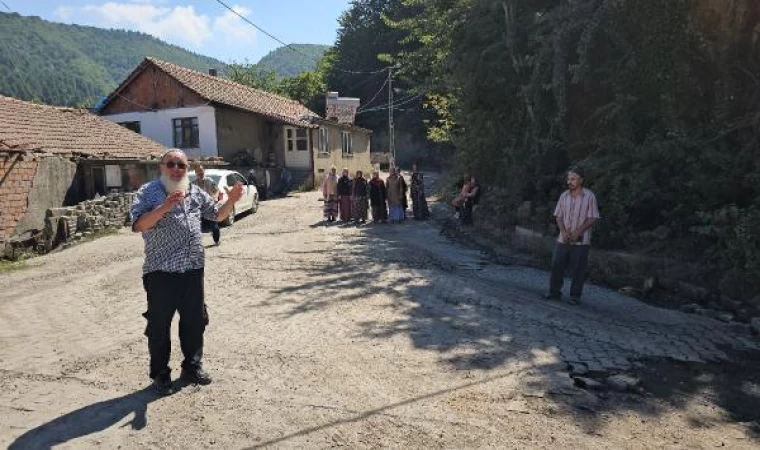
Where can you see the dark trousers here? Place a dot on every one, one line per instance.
(465, 213)
(576, 256)
(167, 293)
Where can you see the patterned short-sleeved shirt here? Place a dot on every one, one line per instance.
(175, 243)
(574, 210)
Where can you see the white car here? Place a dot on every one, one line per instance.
(224, 180)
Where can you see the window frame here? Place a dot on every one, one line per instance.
(181, 124)
(346, 143)
(323, 139)
(292, 139)
(132, 125)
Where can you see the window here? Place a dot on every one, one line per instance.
(134, 126)
(296, 139)
(99, 180)
(186, 132)
(345, 143)
(324, 144)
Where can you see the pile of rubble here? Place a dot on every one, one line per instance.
(68, 225)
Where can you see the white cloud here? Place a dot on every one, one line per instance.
(179, 24)
(64, 13)
(231, 25)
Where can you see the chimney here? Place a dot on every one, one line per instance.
(212, 72)
(341, 109)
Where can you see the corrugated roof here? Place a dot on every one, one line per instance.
(227, 92)
(28, 126)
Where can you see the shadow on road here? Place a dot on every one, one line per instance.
(443, 310)
(357, 416)
(88, 420)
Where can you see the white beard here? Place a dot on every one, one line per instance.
(171, 185)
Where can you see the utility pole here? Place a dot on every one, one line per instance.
(391, 131)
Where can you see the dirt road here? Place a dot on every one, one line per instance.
(387, 336)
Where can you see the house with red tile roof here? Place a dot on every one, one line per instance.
(53, 156)
(207, 115)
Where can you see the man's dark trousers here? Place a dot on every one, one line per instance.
(167, 293)
(577, 257)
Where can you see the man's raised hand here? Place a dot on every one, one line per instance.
(173, 199)
(236, 193)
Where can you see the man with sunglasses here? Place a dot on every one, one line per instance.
(168, 213)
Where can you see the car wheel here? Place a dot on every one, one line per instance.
(255, 204)
(231, 218)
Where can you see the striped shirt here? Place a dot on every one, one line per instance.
(175, 243)
(208, 186)
(574, 210)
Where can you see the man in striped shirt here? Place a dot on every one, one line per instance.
(576, 213)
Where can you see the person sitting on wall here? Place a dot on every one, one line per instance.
(468, 197)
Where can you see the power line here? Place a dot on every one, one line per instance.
(6, 6)
(374, 97)
(245, 19)
(395, 104)
(366, 80)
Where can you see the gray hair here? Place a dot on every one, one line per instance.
(172, 150)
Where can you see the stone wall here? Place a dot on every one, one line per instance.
(17, 174)
(66, 225)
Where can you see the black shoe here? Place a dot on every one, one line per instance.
(195, 376)
(162, 384)
(552, 296)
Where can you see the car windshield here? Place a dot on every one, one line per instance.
(214, 178)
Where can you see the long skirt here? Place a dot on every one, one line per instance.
(359, 208)
(345, 208)
(379, 212)
(397, 213)
(331, 208)
(419, 204)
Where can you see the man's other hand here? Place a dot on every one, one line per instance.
(236, 193)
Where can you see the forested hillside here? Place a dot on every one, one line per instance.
(293, 60)
(75, 65)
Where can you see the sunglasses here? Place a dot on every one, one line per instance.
(178, 164)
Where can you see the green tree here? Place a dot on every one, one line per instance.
(664, 118)
(254, 76)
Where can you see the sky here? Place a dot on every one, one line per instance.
(202, 26)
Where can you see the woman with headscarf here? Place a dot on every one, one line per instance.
(395, 191)
(359, 198)
(344, 196)
(419, 202)
(377, 198)
(330, 195)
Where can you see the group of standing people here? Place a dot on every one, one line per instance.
(351, 199)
